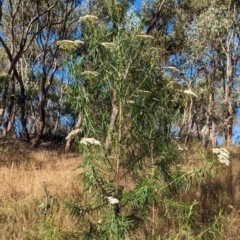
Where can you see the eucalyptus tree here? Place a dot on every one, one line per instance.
(59, 24)
(201, 38)
(197, 70)
(216, 35)
(19, 28)
(28, 33)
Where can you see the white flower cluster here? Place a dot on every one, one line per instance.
(73, 134)
(144, 36)
(143, 91)
(108, 45)
(180, 148)
(69, 44)
(88, 18)
(190, 92)
(90, 74)
(87, 141)
(113, 200)
(223, 155)
(174, 69)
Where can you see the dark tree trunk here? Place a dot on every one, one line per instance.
(22, 107)
(4, 102)
(113, 120)
(42, 113)
(228, 111)
(10, 107)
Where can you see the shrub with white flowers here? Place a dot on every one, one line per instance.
(223, 155)
(87, 141)
(73, 134)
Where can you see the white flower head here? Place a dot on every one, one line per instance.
(143, 91)
(73, 134)
(99, 221)
(180, 148)
(174, 69)
(172, 84)
(92, 141)
(108, 45)
(144, 36)
(88, 19)
(70, 45)
(223, 155)
(113, 200)
(90, 74)
(190, 92)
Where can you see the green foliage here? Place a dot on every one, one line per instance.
(129, 105)
(4, 78)
(50, 230)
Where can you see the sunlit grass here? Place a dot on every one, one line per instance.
(22, 192)
(24, 214)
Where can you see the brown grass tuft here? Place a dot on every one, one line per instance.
(24, 171)
(22, 191)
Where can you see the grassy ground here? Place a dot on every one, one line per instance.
(31, 180)
(35, 187)
(221, 193)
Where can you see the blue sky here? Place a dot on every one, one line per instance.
(138, 4)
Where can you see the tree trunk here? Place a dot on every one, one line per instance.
(209, 127)
(12, 121)
(57, 121)
(10, 107)
(22, 107)
(228, 111)
(113, 119)
(62, 89)
(4, 102)
(77, 125)
(41, 113)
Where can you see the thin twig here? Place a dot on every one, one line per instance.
(46, 195)
(153, 22)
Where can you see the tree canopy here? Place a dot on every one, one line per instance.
(47, 46)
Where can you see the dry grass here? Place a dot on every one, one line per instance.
(22, 191)
(231, 194)
(220, 193)
(23, 171)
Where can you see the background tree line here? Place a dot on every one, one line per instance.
(196, 44)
